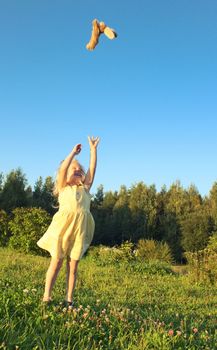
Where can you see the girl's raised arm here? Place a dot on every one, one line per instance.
(65, 164)
(93, 142)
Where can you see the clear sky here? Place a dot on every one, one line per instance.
(151, 94)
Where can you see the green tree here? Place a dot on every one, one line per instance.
(176, 206)
(103, 214)
(160, 216)
(43, 196)
(99, 216)
(15, 192)
(122, 216)
(109, 227)
(143, 206)
(176, 200)
(212, 202)
(38, 193)
(109, 200)
(171, 230)
(1, 181)
(195, 200)
(99, 196)
(196, 228)
(50, 201)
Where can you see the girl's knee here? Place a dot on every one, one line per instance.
(57, 262)
(72, 265)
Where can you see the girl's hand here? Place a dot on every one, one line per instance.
(77, 149)
(93, 142)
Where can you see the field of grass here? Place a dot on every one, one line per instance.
(116, 307)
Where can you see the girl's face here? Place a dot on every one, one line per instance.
(74, 174)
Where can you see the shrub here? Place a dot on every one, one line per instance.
(203, 262)
(151, 250)
(27, 226)
(124, 256)
(109, 255)
(212, 243)
(4, 234)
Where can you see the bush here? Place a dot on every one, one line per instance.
(4, 234)
(103, 255)
(203, 262)
(27, 226)
(212, 243)
(124, 256)
(151, 250)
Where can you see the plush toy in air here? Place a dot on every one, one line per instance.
(98, 29)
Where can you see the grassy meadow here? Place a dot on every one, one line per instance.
(117, 306)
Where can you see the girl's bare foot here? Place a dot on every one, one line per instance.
(46, 299)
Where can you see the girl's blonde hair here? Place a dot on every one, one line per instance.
(57, 186)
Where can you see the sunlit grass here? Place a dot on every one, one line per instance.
(116, 307)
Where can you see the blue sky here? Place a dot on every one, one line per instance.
(151, 94)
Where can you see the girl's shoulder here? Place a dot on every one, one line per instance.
(85, 188)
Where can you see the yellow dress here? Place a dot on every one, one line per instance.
(71, 230)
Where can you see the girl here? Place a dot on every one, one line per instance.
(71, 230)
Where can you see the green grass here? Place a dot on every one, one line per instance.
(116, 307)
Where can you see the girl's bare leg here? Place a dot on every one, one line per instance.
(51, 276)
(71, 274)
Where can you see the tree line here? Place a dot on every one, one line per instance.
(180, 217)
